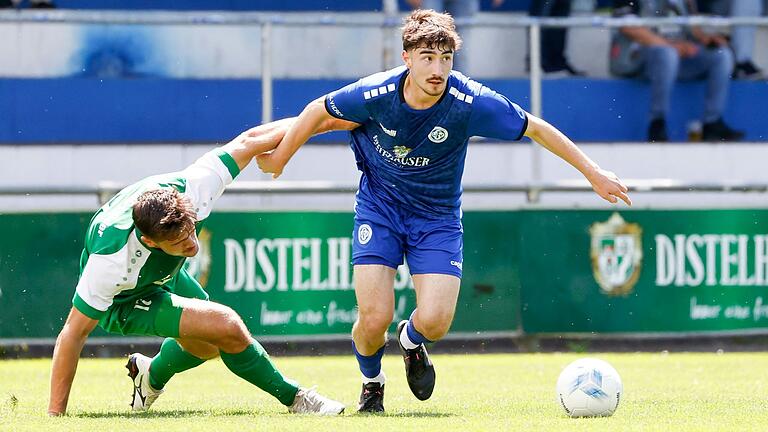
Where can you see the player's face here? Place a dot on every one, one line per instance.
(429, 68)
(185, 245)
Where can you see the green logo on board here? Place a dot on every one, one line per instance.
(617, 255)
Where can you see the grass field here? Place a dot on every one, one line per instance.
(671, 393)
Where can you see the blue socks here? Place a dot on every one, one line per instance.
(370, 366)
(414, 335)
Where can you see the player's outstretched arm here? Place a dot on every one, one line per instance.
(312, 120)
(605, 183)
(66, 354)
(266, 137)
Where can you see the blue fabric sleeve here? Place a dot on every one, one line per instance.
(495, 116)
(347, 103)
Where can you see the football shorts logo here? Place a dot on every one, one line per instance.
(364, 234)
(438, 135)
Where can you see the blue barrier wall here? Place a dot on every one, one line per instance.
(88, 110)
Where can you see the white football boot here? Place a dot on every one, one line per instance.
(309, 401)
(143, 393)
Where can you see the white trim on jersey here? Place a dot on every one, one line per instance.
(378, 91)
(104, 276)
(206, 180)
(460, 96)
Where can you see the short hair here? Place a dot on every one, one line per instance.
(163, 214)
(425, 27)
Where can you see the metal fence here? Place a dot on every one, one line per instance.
(533, 192)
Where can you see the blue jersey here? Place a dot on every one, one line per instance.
(415, 158)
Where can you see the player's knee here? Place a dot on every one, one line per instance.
(235, 336)
(373, 323)
(435, 325)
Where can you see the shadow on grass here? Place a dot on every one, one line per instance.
(411, 414)
(241, 412)
(171, 414)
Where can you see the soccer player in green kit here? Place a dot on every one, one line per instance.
(132, 282)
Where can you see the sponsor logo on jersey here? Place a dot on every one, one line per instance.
(401, 151)
(438, 135)
(164, 280)
(364, 234)
(332, 104)
(390, 132)
(398, 155)
(617, 255)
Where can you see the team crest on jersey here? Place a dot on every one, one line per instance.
(438, 135)
(401, 151)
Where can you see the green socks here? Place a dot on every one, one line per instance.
(171, 360)
(254, 366)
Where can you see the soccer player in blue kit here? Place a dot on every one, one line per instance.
(415, 122)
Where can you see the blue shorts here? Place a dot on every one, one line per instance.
(384, 234)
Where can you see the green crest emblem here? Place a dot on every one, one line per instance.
(617, 254)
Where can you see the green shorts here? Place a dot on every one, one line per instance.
(158, 313)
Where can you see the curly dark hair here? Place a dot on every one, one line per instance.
(163, 214)
(425, 27)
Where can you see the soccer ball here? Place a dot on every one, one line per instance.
(589, 387)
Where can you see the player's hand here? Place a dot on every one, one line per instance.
(609, 187)
(269, 164)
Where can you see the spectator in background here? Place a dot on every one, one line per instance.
(668, 53)
(553, 39)
(33, 4)
(457, 9)
(742, 37)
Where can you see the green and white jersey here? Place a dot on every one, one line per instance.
(115, 265)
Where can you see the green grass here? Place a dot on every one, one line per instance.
(670, 393)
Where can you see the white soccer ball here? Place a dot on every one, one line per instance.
(589, 387)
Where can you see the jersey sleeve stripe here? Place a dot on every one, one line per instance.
(524, 128)
(229, 162)
(87, 309)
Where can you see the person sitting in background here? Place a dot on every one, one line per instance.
(668, 53)
(553, 39)
(742, 36)
(33, 4)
